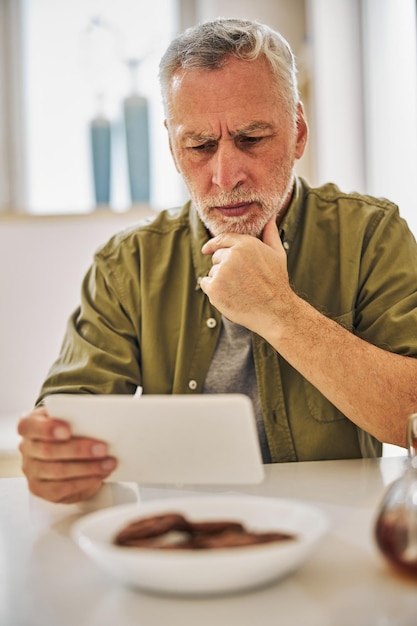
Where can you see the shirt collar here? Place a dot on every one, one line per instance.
(289, 224)
(199, 236)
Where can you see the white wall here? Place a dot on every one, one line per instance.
(42, 262)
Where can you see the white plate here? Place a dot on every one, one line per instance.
(205, 571)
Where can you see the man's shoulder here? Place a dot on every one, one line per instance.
(163, 223)
(330, 194)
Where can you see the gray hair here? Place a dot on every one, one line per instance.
(210, 44)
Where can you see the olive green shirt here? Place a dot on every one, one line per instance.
(143, 320)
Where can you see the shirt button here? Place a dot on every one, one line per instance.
(211, 322)
(192, 384)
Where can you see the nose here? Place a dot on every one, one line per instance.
(228, 169)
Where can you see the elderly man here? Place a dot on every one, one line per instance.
(303, 298)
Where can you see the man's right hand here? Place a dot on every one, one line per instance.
(58, 466)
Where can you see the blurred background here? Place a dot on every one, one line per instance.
(78, 86)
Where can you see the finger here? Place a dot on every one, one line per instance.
(66, 492)
(75, 448)
(38, 425)
(270, 234)
(226, 240)
(213, 271)
(68, 470)
(205, 282)
(220, 255)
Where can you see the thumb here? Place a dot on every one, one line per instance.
(270, 234)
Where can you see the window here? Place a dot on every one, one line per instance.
(364, 85)
(390, 95)
(78, 62)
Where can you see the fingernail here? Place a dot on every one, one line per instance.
(60, 432)
(108, 464)
(99, 449)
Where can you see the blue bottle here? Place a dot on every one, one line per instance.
(136, 116)
(137, 146)
(100, 133)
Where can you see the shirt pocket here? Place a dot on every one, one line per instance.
(320, 408)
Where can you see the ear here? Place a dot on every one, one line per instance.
(302, 131)
(170, 148)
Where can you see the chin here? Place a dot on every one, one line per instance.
(217, 227)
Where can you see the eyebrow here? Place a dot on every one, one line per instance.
(192, 136)
(252, 127)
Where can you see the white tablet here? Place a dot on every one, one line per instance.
(170, 439)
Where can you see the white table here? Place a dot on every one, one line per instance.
(46, 581)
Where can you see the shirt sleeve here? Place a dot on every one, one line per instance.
(386, 305)
(100, 350)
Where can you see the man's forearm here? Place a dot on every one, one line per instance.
(374, 388)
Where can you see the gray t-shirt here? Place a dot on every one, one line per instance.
(232, 370)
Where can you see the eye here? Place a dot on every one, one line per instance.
(204, 147)
(250, 141)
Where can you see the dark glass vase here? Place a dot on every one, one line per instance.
(396, 523)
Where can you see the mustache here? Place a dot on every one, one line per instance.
(225, 198)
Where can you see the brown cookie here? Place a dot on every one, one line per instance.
(214, 527)
(172, 531)
(235, 539)
(149, 527)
